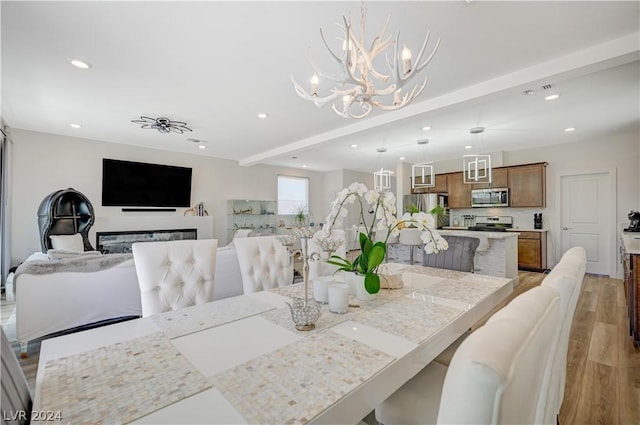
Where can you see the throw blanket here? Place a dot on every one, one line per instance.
(77, 264)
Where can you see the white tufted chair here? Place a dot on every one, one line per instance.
(264, 263)
(320, 267)
(496, 376)
(175, 274)
(566, 277)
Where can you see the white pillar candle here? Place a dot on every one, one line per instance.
(338, 298)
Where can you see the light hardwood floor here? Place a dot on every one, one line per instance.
(603, 367)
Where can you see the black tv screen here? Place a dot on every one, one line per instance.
(137, 184)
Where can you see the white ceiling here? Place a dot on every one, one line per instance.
(216, 65)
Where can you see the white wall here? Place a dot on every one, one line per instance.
(43, 163)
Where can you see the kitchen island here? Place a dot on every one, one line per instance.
(497, 253)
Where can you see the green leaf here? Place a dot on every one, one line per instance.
(363, 241)
(372, 283)
(376, 255)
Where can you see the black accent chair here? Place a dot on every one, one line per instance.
(65, 212)
(459, 256)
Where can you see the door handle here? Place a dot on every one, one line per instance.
(567, 228)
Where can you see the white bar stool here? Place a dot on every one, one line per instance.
(411, 237)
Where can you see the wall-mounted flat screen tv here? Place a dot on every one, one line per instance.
(137, 184)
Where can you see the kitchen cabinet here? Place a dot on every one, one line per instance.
(527, 185)
(459, 192)
(532, 251)
(259, 216)
(499, 178)
(631, 265)
(440, 185)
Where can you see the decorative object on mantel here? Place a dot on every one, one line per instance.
(198, 210)
(355, 86)
(304, 311)
(476, 168)
(163, 124)
(384, 206)
(423, 169)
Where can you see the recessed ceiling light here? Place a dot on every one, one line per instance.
(570, 129)
(468, 147)
(354, 146)
(80, 64)
(552, 97)
(75, 125)
(426, 128)
(402, 158)
(263, 116)
(304, 165)
(201, 146)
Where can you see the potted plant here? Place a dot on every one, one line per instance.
(300, 215)
(372, 254)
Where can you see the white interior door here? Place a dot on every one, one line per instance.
(586, 204)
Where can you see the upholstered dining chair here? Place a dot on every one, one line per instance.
(460, 255)
(175, 274)
(496, 376)
(16, 397)
(412, 237)
(566, 277)
(320, 267)
(264, 263)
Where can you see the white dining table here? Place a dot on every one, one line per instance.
(240, 360)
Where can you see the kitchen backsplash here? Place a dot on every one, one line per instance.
(522, 217)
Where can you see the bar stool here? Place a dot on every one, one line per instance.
(411, 237)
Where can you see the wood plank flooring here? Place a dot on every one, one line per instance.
(603, 367)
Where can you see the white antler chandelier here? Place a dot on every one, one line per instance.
(356, 93)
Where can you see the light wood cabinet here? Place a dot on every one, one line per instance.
(532, 251)
(459, 192)
(440, 185)
(527, 185)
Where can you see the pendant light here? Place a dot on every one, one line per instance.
(476, 168)
(423, 173)
(381, 177)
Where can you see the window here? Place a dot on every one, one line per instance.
(293, 193)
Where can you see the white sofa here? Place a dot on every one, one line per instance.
(47, 303)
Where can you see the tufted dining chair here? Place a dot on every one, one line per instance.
(175, 274)
(264, 263)
(566, 277)
(496, 376)
(16, 397)
(320, 267)
(459, 256)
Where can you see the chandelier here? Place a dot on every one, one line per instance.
(424, 170)
(382, 176)
(163, 124)
(356, 92)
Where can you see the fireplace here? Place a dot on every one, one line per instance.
(120, 242)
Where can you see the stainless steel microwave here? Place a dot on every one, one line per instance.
(494, 197)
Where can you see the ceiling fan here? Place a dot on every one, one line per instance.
(163, 124)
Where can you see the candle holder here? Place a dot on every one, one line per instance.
(305, 312)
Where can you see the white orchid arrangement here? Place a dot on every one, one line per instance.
(383, 205)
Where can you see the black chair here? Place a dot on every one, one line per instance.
(459, 256)
(16, 398)
(65, 212)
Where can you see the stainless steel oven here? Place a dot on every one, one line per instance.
(494, 197)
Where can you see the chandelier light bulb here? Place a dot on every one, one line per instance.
(406, 59)
(315, 82)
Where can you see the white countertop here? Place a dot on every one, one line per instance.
(631, 242)
(508, 230)
(528, 230)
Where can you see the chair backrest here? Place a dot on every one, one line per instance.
(65, 212)
(566, 277)
(320, 267)
(459, 256)
(16, 397)
(496, 375)
(175, 274)
(264, 263)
